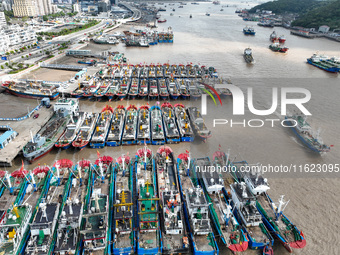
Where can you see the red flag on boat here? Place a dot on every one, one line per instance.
(186, 151)
(332, 145)
(98, 154)
(22, 165)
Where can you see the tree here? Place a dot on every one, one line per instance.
(45, 18)
(39, 38)
(2, 67)
(48, 53)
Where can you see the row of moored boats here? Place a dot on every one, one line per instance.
(151, 203)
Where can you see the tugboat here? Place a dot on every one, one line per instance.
(72, 130)
(248, 57)
(157, 129)
(123, 88)
(114, 137)
(133, 91)
(183, 123)
(70, 218)
(170, 124)
(305, 133)
(173, 89)
(163, 89)
(249, 31)
(246, 212)
(278, 48)
(112, 91)
(95, 233)
(130, 129)
(174, 234)
(86, 130)
(153, 89)
(143, 90)
(102, 128)
(43, 142)
(197, 123)
(123, 235)
(196, 209)
(225, 223)
(143, 130)
(148, 226)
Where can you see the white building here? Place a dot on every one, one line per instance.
(323, 29)
(76, 8)
(2, 19)
(32, 8)
(14, 37)
(24, 8)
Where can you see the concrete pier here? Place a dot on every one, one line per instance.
(23, 128)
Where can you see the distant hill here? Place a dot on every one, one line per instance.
(325, 15)
(291, 6)
(312, 13)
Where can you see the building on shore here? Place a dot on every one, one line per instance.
(3, 21)
(13, 37)
(32, 8)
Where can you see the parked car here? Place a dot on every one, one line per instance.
(35, 116)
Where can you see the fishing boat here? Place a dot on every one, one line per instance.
(89, 91)
(130, 129)
(173, 89)
(304, 132)
(170, 125)
(183, 89)
(133, 90)
(43, 142)
(197, 123)
(225, 223)
(113, 89)
(157, 129)
(153, 89)
(163, 89)
(152, 72)
(114, 136)
(273, 37)
(196, 209)
(191, 72)
(123, 88)
(278, 224)
(183, 123)
(148, 232)
(69, 222)
(143, 72)
(249, 31)
(248, 55)
(102, 128)
(174, 235)
(123, 236)
(182, 72)
(323, 64)
(175, 73)
(143, 130)
(95, 233)
(103, 88)
(86, 130)
(167, 69)
(159, 71)
(282, 39)
(246, 212)
(194, 91)
(143, 90)
(44, 225)
(278, 48)
(31, 89)
(72, 130)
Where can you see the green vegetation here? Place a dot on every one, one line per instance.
(66, 31)
(20, 69)
(291, 6)
(328, 14)
(312, 13)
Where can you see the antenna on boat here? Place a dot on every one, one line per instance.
(281, 207)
